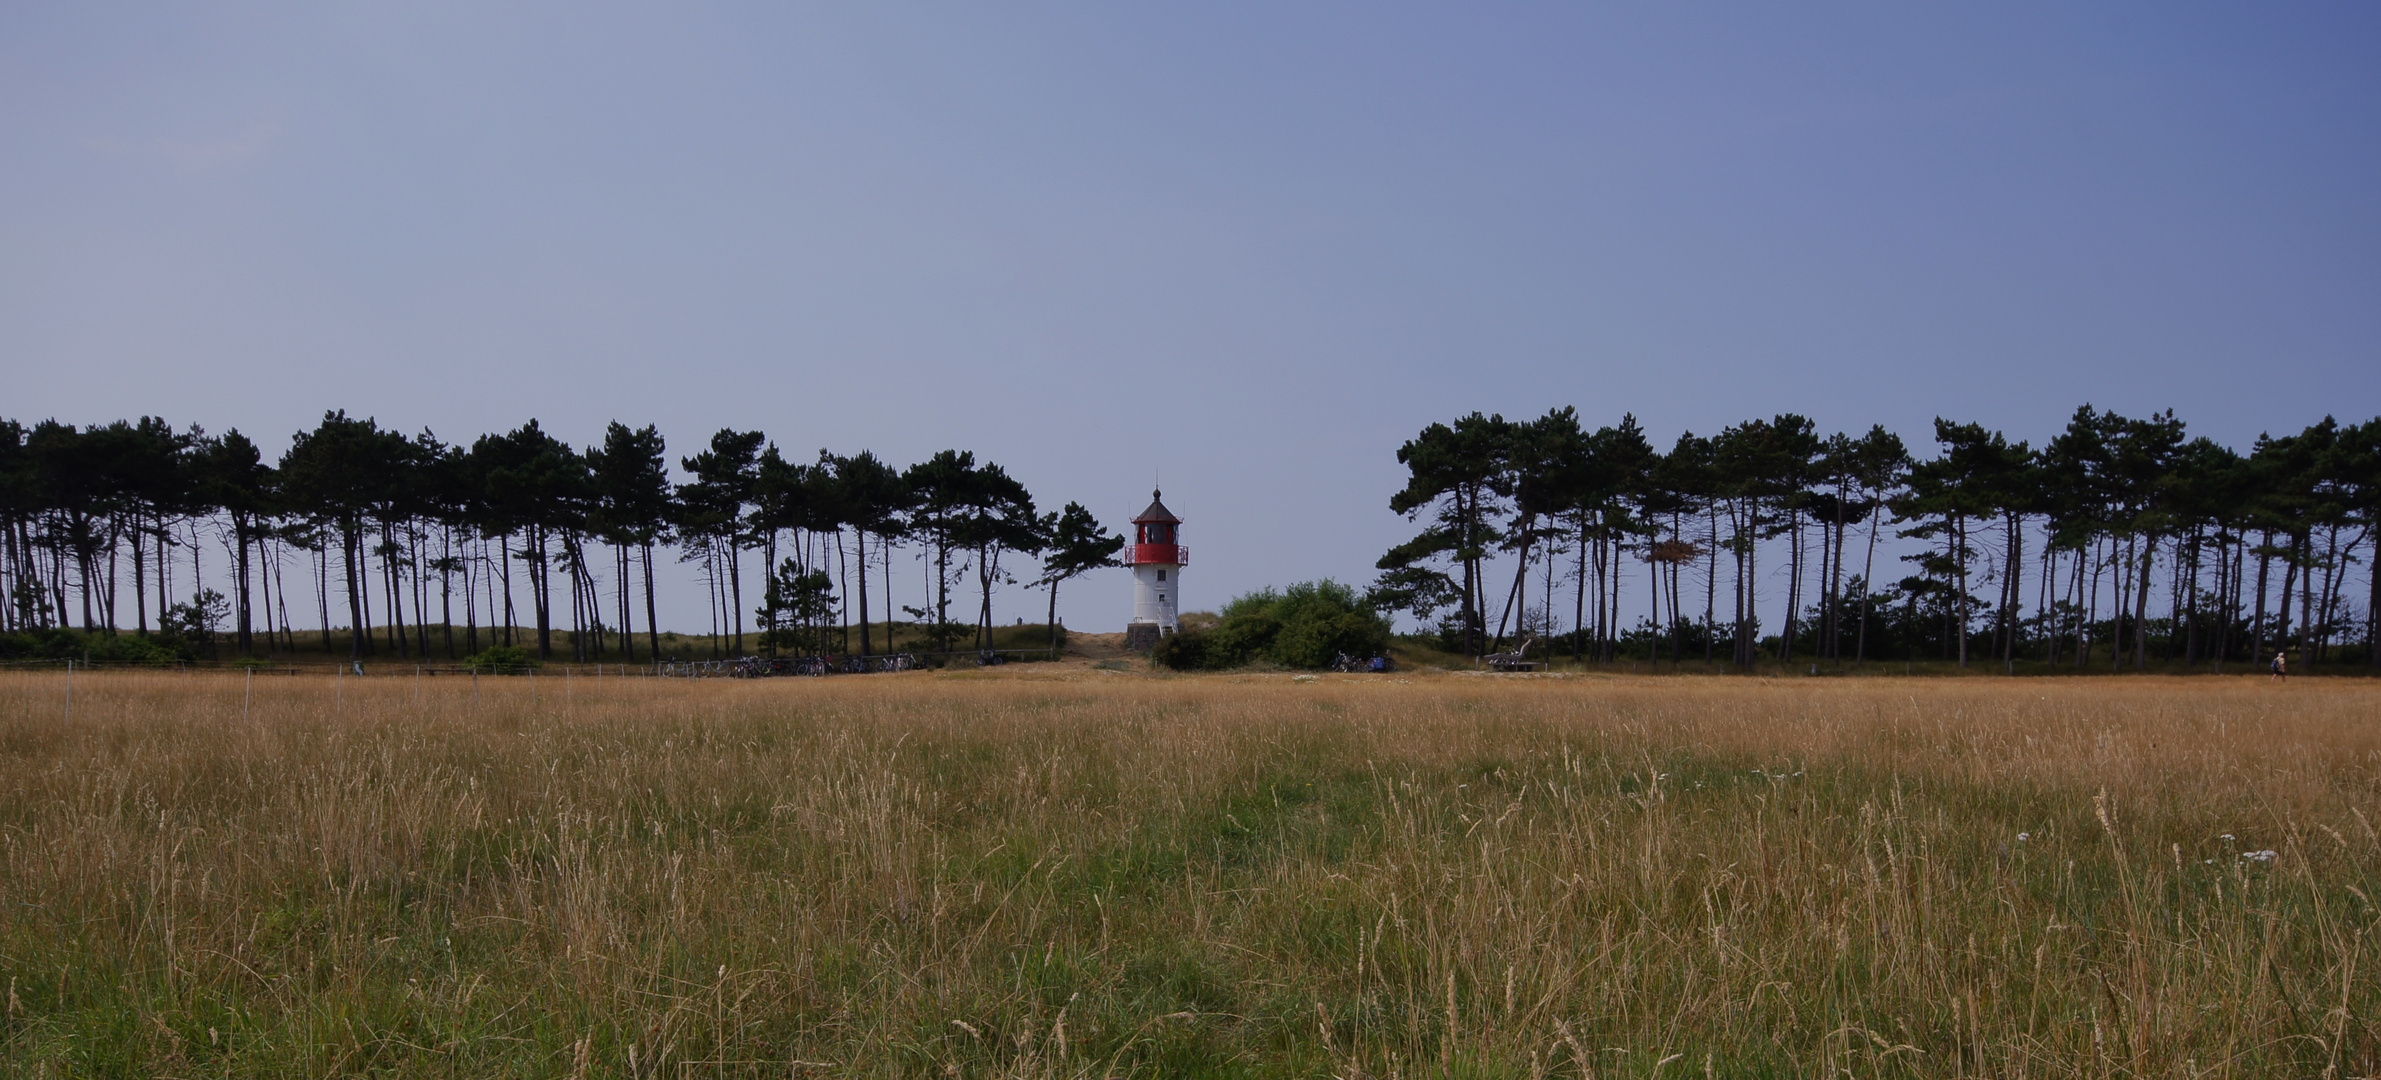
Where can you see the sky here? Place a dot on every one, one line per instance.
(1242, 250)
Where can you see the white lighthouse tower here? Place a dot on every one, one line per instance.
(1157, 557)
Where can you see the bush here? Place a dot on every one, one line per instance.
(1307, 625)
(1184, 650)
(60, 644)
(193, 626)
(503, 660)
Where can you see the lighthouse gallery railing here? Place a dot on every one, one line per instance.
(1162, 554)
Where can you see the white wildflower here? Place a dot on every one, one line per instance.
(2268, 855)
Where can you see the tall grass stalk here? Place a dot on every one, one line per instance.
(1039, 874)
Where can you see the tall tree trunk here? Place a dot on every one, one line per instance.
(2047, 597)
(349, 541)
(280, 602)
(2303, 546)
(942, 587)
(652, 625)
(578, 603)
(1051, 625)
(2289, 582)
(264, 589)
(2100, 565)
(984, 573)
(446, 588)
(140, 583)
(1513, 594)
(866, 649)
(2265, 560)
(884, 544)
(58, 575)
(1463, 559)
(504, 563)
(1959, 531)
(2141, 604)
(541, 593)
(2372, 606)
(2335, 572)
(2231, 558)
(247, 639)
(1868, 588)
(711, 583)
(475, 575)
(1653, 617)
(392, 590)
(421, 623)
(1785, 645)
(322, 591)
(1602, 571)
(2214, 620)
(628, 621)
(363, 576)
(1833, 569)
(1748, 631)
(736, 589)
(1678, 621)
(1711, 585)
(1612, 625)
(843, 582)
(2186, 614)
(1579, 605)
(2016, 575)
(1736, 552)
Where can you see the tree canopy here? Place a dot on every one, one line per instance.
(421, 547)
(2119, 540)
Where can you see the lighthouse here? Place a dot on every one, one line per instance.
(1157, 557)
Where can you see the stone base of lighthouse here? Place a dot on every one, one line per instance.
(1142, 636)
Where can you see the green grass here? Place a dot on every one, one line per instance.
(1055, 874)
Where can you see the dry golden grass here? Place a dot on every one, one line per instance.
(1037, 873)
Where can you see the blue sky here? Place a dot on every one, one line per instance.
(1248, 248)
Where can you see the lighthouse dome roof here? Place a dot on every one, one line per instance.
(1157, 513)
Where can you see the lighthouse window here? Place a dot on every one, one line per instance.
(1161, 575)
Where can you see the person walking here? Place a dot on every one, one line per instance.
(2281, 666)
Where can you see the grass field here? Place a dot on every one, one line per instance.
(1072, 872)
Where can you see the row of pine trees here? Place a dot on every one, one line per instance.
(424, 546)
(2119, 542)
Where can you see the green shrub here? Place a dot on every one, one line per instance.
(1184, 650)
(503, 660)
(1307, 625)
(192, 627)
(61, 644)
